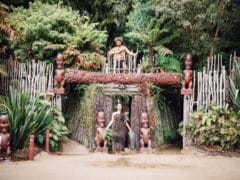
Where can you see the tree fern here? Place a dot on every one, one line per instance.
(169, 64)
(48, 28)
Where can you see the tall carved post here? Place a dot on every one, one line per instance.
(59, 80)
(145, 135)
(136, 108)
(4, 137)
(186, 91)
(186, 118)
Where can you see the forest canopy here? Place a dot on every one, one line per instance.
(162, 30)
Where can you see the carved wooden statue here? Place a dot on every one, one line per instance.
(145, 136)
(100, 141)
(59, 79)
(187, 74)
(4, 137)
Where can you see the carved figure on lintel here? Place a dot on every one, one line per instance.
(59, 78)
(4, 137)
(145, 135)
(101, 142)
(187, 76)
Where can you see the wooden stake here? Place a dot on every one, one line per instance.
(31, 148)
(186, 117)
(47, 140)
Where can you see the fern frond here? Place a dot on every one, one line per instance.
(163, 51)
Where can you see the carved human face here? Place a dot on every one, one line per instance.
(144, 119)
(60, 61)
(101, 118)
(188, 61)
(118, 43)
(4, 125)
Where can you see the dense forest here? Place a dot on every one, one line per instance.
(161, 30)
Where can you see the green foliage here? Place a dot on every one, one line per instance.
(180, 128)
(156, 91)
(124, 99)
(138, 20)
(3, 71)
(87, 110)
(47, 28)
(81, 88)
(6, 32)
(218, 127)
(163, 123)
(235, 84)
(28, 117)
(108, 137)
(154, 32)
(201, 24)
(169, 135)
(111, 15)
(58, 131)
(168, 64)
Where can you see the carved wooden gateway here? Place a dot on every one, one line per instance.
(113, 83)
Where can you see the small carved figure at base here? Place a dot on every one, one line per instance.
(187, 75)
(145, 135)
(4, 137)
(101, 142)
(59, 78)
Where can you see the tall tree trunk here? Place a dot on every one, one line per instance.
(213, 44)
(192, 34)
(151, 57)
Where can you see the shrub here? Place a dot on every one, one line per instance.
(28, 117)
(45, 29)
(169, 64)
(58, 131)
(234, 79)
(219, 127)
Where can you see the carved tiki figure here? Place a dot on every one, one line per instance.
(59, 78)
(4, 136)
(100, 141)
(145, 136)
(187, 75)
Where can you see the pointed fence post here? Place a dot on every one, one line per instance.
(59, 101)
(31, 148)
(47, 140)
(186, 117)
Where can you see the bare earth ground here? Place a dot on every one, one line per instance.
(77, 163)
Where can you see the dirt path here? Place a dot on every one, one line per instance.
(77, 164)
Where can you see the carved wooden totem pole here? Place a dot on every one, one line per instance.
(59, 80)
(187, 91)
(4, 137)
(145, 136)
(187, 76)
(101, 142)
